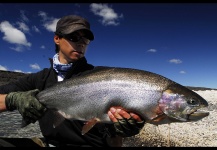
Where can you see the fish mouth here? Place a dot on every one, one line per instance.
(197, 115)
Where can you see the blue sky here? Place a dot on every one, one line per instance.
(176, 40)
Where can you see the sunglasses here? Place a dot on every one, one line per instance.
(77, 38)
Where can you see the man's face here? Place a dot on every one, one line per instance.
(72, 46)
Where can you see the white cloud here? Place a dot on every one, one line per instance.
(43, 15)
(152, 50)
(182, 72)
(18, 48)
(3, 68)
(17, 70)
(23, 16)
(23, 26)
(34, 28)
(51, 25)
(109, 16)
(42, 47)
(35, 66)
(175, 61)
(48, 22)
(13, 35)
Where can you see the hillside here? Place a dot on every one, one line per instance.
(7, 76)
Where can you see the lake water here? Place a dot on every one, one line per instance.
(10, 126)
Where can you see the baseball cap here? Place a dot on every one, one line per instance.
(71, 23)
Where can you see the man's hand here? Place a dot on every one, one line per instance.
(26, 103)
(125, 124)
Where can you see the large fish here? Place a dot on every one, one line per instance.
(155, 98)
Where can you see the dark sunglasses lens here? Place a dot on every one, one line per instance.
(74, 38)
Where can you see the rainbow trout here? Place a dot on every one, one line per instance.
(155, 98)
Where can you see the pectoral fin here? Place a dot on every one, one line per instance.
(89, 124)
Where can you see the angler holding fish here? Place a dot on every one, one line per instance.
(71, 39)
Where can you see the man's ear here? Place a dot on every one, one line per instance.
(56, 39)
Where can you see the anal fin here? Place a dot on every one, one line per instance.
(89, 124)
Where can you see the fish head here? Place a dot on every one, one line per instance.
(182, 104)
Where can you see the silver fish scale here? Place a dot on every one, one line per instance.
(91, 95)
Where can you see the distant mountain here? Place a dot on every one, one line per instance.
(199, 88)
(7, 76)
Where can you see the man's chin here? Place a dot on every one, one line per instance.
(75, 58)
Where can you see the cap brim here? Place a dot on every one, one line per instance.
(89, 33)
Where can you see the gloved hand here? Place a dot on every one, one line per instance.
(126, 124)
(128, 127)
(26, 103)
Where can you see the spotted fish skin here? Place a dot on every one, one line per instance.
(155, 98)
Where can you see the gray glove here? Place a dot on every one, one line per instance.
(27, 105)
(128, 127)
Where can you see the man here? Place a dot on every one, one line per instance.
(71, 38)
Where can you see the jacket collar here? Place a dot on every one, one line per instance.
(79, 66)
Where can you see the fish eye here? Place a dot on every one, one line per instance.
(192, 101)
